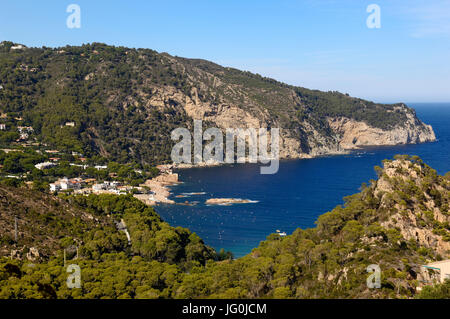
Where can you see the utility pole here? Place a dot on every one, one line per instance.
(15, 229)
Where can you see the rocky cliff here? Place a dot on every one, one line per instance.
(301, 136)
(419, 201)
(355, 134)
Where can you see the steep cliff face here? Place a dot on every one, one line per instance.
(125, 103)
(419, 200)
(355, 134)
(228, 98)
(235, 104)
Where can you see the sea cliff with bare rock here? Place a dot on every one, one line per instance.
(123, 103)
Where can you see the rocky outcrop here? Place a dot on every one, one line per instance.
(158, 186)
(145, 95)
(353, 134)
(31, 254)
(167, 179)
(339, 135)
(227, 201)
(422, 214)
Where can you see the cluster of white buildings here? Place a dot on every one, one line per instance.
(81, 186)
(106, 186)
(24, 131)
(66, 184)
(45, 165)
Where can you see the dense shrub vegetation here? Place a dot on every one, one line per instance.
(328, 261)
(120, 99)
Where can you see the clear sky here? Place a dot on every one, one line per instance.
(319, 44)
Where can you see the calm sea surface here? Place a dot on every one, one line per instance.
(295, 196)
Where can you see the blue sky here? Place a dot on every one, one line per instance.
(319, 44)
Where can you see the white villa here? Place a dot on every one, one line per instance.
(442, 267)
(18, 47)
(44, 165)
(65, 184)
(105, 186)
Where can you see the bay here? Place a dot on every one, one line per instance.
(294, 197)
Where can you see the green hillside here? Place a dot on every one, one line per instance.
(122, 106)
(376, 226)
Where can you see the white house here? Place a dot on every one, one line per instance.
(79, 165)
(99, 187)
(65, 184)
(110, 186)
(2, 126)
(25, 129)
(443, 267)
(18, 47)
(54, 187)
(44, 165)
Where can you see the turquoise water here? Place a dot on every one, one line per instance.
(295, 196)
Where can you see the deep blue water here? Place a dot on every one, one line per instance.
(294, 197)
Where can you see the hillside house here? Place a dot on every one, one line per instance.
(66, 184)
(44, 165)
(18, 47)
(442, 268)
(25, 129)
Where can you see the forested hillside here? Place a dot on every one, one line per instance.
(122, 103)
(399, 222)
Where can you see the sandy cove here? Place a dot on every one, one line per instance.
(159, 186)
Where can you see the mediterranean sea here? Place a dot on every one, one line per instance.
(294, 197)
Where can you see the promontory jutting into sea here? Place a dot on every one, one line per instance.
(128, 172)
